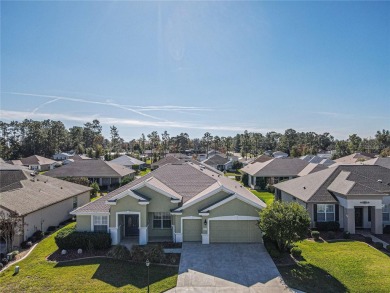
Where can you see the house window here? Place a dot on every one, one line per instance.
(325, 212)
(74, 202)
(161, 221)
(386, 213)
(100, 223)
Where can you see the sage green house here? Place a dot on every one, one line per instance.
(176, 202)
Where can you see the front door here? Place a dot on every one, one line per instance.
(358, 217)
(131, 225)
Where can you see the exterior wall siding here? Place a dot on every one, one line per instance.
(130, 204)
(83, 223)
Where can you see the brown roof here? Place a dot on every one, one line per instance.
(24, 194)
(354, 158)
(262, 159)
(37, 160)
(92, 169)
(166, 160)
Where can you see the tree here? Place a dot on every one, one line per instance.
(126, 180)
(165, 138)
(284, 223)
(385, 152)
(10, 226)
(95, 189)
(115, 138)
(207, 139)
(354, 142)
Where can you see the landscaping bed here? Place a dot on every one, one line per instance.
(72, 254)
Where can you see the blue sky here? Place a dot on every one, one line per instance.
(193, 67)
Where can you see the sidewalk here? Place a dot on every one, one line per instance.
(374, 238)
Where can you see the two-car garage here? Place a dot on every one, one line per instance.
(223, 230)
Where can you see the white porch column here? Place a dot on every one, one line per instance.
(376, 221)
(350, 221)
(143, 235)
(205, 239)
(114, 236)
(178, 237)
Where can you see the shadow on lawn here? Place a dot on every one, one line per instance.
(309, 278)
(119, 273)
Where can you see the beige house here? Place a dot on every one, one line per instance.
(178, 202)
(39, 200)
(355, 196)
(36, 163)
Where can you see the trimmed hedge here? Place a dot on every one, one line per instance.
(296, 251)
(346, 235)
(315, 235)
(388, 247)
(368, 239)
(378, 245)
(69, 238)
(328, 226)
(386, 229)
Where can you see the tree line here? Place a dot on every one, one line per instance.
(45, 138)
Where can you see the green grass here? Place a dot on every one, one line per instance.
(265, 196)
(233, 174)
(144, 172)
(345, 266)
(97, 274)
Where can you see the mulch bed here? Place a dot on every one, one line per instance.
(73, 255)
(285, 259)
(384, 237)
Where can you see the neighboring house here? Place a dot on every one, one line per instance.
(129, 162)
(326, 154)
(355, 158)
(106, 174)
(317, 160)
(36, 163)
(276, 170)
(40, 201)
(80, 157)
(262, 159)
(279, 154)
(219, 162)
(384, 162)
(356, 196)
(164, 161)
(68, 161)
(176, 202)
(62, 156)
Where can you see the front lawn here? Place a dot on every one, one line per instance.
(265, 196)
(96, 274)
(144, 172)
(340, 266)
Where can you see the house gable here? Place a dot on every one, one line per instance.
(235, 206)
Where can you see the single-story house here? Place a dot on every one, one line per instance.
(62, 156)
(219, 162)
(36, 163)
(39, 200)
(356, 196)
(176, 202)
(129, 162)
(278, 169)
(317, 160)
(262, 159)
(106, 174)
(279, 154)
(384, 162)
(164, 161)
(80, 157)
(355, 158)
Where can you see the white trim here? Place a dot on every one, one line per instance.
(100, 215)
(111, 203)
(176, 213)
(88, 213)
(123, 194)
(226, 200)
(179, 236)
(204, 214)
(143, 203)
(128, 213)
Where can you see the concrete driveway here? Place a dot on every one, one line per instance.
(227, 268)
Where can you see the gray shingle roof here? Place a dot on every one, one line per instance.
(25, 194)
(354, 158)
(166, 160)
(127, 161)
(315, 187)
(262, 159)
(216, 160)
(384, 162)
(37, 160)
(91, 169)
(278, 167)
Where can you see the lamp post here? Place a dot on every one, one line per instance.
(147, 265)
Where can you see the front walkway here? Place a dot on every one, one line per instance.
(375, 239)
(227, 268)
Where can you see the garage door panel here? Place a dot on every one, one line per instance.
(234, 231)
(192, 230)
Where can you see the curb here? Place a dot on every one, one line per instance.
(15, 262)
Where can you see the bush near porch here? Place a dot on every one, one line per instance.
(88, 275)
(69, 238)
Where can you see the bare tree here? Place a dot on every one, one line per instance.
(10, 226)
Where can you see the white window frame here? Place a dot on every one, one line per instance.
(326, 213)
(99, 220)
(386, 213)
(161, 215)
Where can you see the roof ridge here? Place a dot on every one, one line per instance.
(331, 173)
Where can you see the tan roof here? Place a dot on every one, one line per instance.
(25, 194)
(278, 167)
(92, 169)
(354, 158)
(37, 160)
(262, 159)
(166, 160)
(311, 168)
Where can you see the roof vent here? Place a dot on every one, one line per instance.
(304, 187)
(380, 180)
(201, 169)
(32, 174)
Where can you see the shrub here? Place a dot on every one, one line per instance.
(388, 247)
(296, 251)
(38, 234)
(51, 228)
(315, 235)
(4, 261)
(331, 235)
(1, 266)
(68, 238)
(154, 253)
(274, 253)
(271, 188)
(368, 239)
(378, 245)
(14, 253)
(346, 235)
(244, 179)
(238, 177)
(386, 229)
(119, 252)
(328, 226)
(95, 189)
